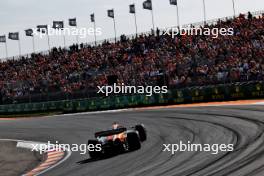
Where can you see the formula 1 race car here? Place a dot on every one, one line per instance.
(118, 140)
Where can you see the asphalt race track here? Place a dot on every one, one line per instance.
(241, 125)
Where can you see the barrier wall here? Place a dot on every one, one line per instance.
(177, 96)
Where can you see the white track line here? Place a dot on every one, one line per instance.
(95, 112)
(259, 103)
(133, 109)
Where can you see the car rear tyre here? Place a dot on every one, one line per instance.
(133, 141)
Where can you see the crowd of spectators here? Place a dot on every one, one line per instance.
(150, 59)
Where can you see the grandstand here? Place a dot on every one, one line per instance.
(148, 59)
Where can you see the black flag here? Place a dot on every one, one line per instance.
(2, 39)
(111, 13)
(29, 32)
(92, 18)
(42, 28)
(13, 36)
(173, 2)
(147, 5)
(58, 25)
(72, 22)
(132, 8)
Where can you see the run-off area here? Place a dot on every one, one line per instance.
(15, 161)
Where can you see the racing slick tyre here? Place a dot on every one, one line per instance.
(94, 154)
(142, 132)
(133, 141)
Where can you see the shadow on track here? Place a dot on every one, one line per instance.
(90, 160)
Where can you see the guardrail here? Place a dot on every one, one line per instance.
(178, 96)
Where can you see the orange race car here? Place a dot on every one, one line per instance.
(118, 140)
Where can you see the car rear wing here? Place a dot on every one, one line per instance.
(109, 132)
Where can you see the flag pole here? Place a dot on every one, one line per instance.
(114, 28)
(6, 49)
(77, 36)
(19, 47)
(33, 43)
(64, 35)
(136, 23)
(178, 18)
(77, 39)
(64, 41)
(95, 40)
(153, 25)
(204, 11)
(234, 9)
(48, 40)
